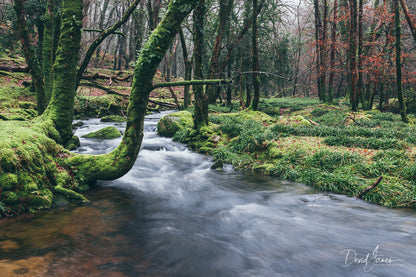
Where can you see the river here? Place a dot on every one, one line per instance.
(171, 215)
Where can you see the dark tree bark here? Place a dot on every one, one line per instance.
(318, 32)
(48, 48)
(188, 70)
(225, 10)
(408, 18)
(31, 59)
(333, 51)
(397, 24)
(255, 61)
(352, 54)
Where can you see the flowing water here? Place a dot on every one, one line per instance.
(171, 215)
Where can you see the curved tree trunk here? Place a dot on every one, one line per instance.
(117, 163)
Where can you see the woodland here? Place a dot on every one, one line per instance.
(321, 92)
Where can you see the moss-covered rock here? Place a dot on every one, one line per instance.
(113, 118)
(172, 123)
(110, 132)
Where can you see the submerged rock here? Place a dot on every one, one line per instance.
(113, 118)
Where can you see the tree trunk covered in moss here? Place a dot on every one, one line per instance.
(255, 61)
(31, 59)
(48, 49)
(60, 108)
(201, 99)
(397, 23)
(117, 163)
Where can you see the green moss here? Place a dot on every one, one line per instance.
(32, 163)
(110, 132)
(113, 118)
(172, 123)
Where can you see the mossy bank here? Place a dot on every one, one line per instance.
(335, 155)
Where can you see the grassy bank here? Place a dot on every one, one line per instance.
(324, 146)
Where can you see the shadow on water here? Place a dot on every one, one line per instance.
(171, 215)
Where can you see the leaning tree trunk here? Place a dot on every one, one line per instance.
(117, 163)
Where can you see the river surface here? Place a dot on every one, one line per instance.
(171, 215)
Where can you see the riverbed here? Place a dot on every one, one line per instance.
(172, 215)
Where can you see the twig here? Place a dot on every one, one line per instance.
(361, 194)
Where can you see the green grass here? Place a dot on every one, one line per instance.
(341, 153)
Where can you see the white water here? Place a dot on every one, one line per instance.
(201, 222)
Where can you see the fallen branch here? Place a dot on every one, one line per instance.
(169, 105)
(361, 194)
(100, 31)
(104, 88)
(313, 122)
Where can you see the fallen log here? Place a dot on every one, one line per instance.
(108, 77)
(9, 68)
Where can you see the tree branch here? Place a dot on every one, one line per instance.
(101, 31)
(101, 38)
(361, 194)
(192, 82)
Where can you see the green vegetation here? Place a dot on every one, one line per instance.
(324, 146)
(104, 133)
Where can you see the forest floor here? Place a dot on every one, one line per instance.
(299, 139)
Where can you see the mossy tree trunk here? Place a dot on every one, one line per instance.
(110, 166)
(60, 108)
(201, 99)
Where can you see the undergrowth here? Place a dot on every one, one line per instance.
(334, 151)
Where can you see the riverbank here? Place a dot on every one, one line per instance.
(324, 146)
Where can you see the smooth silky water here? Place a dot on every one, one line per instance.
(171, 215)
